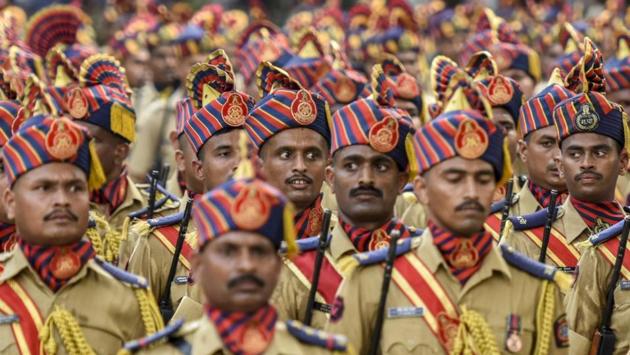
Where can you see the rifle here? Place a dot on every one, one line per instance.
(506, 209)
(321, 249)
(604, 338)
(155, 174)
(166, 307)
(387, 277)
(551, 216)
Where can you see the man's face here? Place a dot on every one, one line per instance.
(458, 193)
(294, 161)
(409, 60)
(4, 186)
(503, 119)
(591, 164)
(163, 65)
(184, 158)
(366, 184)
(621, 97)
(50, 204)
(539, 151)
(237, 271)
(411, 109)
(135, 68)
(523, 79)
(111, 149)
(218, 159)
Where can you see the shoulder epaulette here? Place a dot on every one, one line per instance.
(165, 333)
(304, 244)
(530, 266)
(122, 275)
(498, 206)
(169, 220)
(312, 336)
(607, 234)
(380, 255)
(533, 220)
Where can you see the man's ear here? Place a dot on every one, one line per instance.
(197, 166)
(8, 197)
(521, 150)
(559, 165)
(172, 136)
(121, 152)
(403, 179)
(330, 177)
(623, 159)
(420, 189)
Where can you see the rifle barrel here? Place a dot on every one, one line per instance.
(319, 258)
(166, 308)
(551, 216)
(387, 276)
(506, 209)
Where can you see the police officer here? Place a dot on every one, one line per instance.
(241, 226)
(8, 112)
(590, 131)
(453, 290)
(217, 114)
(58, 297)
(368, 171)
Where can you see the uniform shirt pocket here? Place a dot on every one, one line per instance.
(7, 339)
(408, 335)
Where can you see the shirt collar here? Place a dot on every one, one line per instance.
(572, 223)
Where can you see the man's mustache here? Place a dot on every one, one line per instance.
(470, 204)
(61, 212)
(366, 189)
(588, 172)
(245, 278)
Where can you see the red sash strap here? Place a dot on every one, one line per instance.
(15, 301)
(493, 224)
(609, 250)
(168, 237)
(303, 266)
(424, 291)
(558, 250)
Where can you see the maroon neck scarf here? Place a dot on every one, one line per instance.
(308, 223)
(364, 239)
(543, 195)
(111, 194)
(598, 215)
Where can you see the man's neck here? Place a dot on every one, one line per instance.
(369, 225)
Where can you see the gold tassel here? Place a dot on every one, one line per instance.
(474, 335)
(411, 157)
(245, 168)
(289, 230)
(507, 230)
(149, 311)
(69, 331)
(96, 177)
(506, 174)
(544, 318)
(563, 280)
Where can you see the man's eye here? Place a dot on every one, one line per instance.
(382, 167)
(312, 156)
(285, 155)
(350, 166)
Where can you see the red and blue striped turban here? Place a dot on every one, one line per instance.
(184, 111)
(342, 86)
(503, 92)
(8, 113)
(309, 64)
(42, 140)
(102, 98)
(261, 41)
(367, 122)
(285, 105)
(537, 112)
(216, 106)
(617, 69)
(589, 111)
(463, 133)
(249, 205)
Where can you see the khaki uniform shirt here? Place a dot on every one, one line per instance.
(496, 291)
(415, 215)
(204, 339)
(587, 299)
(105, 308)
(134, 200)
(291, 294)
(152, 259)
(526, 203)
(149, 142)
(568, 223)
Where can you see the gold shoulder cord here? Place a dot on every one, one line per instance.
(544, 317)
(149, 311)
(474, 335)
(72, 337)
